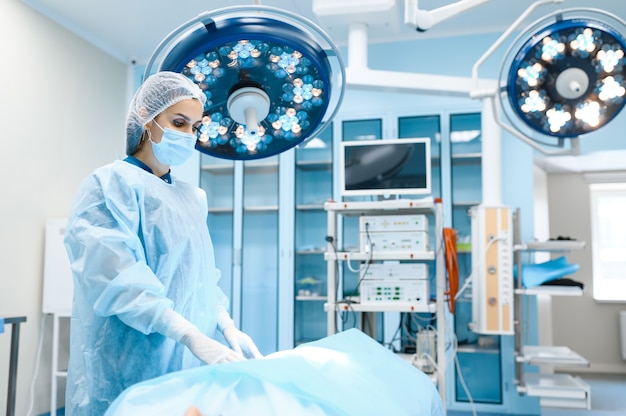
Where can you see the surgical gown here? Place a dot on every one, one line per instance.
(137, 245)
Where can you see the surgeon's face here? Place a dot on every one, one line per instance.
(184, 116)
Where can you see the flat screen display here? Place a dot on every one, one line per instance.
(386, 167)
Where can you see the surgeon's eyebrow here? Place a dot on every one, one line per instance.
(188, 119)
(182, 115)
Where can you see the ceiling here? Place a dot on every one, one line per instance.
(131, 30)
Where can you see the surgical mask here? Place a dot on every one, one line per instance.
(175, 146)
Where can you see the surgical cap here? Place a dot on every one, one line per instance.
(158, 92)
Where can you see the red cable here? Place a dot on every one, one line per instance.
(452, 266)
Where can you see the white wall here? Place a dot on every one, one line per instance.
(586, 326)
(62, 115)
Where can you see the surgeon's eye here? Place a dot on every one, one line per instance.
(178, 123)
(196, 130)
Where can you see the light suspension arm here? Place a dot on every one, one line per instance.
(501, 40)
(422, 20)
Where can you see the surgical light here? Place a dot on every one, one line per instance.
(568, 78)
(272, 79)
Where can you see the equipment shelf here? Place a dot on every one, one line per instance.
(549, 354)
(360, 256)
(558, 390)
(551, 291)
(336, 304)
(553, 390)
(551, 245)
(381, 307)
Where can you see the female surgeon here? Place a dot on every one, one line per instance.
(146, 299)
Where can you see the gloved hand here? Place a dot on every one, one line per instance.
(240, 342)
(173, 325)
(208, 350)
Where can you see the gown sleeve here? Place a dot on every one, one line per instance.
(107, 256)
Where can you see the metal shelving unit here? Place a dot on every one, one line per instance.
(553, 390)
(399, 206)
(58, 372)
(15, 343)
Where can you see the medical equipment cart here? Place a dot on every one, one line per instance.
(337, 303)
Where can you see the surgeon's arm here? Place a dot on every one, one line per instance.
(173, 325)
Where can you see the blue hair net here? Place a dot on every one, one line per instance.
(158, 92)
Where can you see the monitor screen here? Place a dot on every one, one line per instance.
(385, 167)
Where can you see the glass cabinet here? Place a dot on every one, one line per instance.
(480, 356)
(428, 126)
(259, 252)
(313, 187)
(348, 236)
(267, 222)
(244, 196)
(465, 149)
(269, 213)
(217, 178)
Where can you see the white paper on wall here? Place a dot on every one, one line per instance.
(58, 287)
